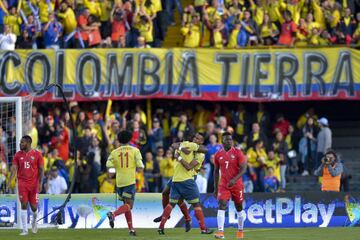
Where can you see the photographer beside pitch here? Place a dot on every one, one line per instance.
(330, 170)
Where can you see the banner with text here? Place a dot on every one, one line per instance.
(198, 74)
(263, 210)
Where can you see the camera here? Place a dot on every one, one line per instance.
(327, 160)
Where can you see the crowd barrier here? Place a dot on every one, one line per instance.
(197, 74)
(263, 210)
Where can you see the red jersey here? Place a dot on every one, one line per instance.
(28, 165)
(229, 163)
(287, 31)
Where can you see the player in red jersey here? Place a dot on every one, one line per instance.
(28, 165)
(231, 163)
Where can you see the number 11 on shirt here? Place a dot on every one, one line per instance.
(126, 155)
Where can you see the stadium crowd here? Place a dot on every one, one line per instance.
(275, 147)
(58, 24)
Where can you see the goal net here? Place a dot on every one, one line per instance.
(15, 121)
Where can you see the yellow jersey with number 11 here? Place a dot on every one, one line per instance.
(125, 160)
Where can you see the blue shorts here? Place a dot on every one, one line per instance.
(127, 192)
(187, 190)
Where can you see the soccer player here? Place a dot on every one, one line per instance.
(199, 156)
(231, 163)
(28, 167)
(184, 186)
(126, 159)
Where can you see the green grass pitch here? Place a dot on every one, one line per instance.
(178, 233)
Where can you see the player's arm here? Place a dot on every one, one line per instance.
(138, 159)
(216, 176)
(177, 146)
(13, 172)
(186, 165)
(110, 161)
(202, 149)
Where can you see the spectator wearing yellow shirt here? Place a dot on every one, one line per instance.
(302, 34)
(151, 173)
(13, 20)
(315, 37)
(257, 12)
(149, 8)
(273, 161)
(167, 167)
(45, 8)
(105, 7)
(256, 160)
(107, 181)
(67, 18)
(268, 31)
(93, 6)
(191, 33)
(311, 23)
(34, 134)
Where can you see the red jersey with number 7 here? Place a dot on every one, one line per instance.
(229, 163)
(28, 164)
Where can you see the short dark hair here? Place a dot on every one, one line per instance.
(27, 138)
(331, 151)
(226, 134)
(256, 142)
(201, 134)
(124, 137)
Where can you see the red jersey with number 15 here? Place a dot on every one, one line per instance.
(28, 165)
(229, 163)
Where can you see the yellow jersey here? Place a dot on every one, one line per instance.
(125, 159)
(167, 167)
(180, 173)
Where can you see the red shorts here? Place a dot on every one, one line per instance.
(236, 193)
(28, 194)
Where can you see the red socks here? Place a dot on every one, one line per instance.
(128, 217)
(122, 209)
(165, 216)
(165, 200)
(200, 217)
(185, 211)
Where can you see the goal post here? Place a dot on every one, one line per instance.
(15, 121)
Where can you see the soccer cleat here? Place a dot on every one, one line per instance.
(239, 234)
(207, 231)
(132, 232)
(24, 233)
(219, 235)
(187, 226)
(111, 219)
(161, 231)
(158, 219)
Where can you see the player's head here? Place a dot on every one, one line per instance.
(124, 137)
(25, 143)
(198, 138)
(227, 140)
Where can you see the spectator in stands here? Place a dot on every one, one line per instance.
(268, 31)
(201, 180)
(118, 20)
(271, 183)
(82, 181)
(25, 41)
(61, 140)
(281, 150)
(191, 32)
(212, 147)
(281, 125)
(52, 32)
(141, 43)
(48, 130)
(67, 18)
(323, 140)
(262, 118)
(7, 39)
(94, 34)
(167, 167)
(273, 161)
(107, 181)
(307, 146)
(151, 173)
(330, 170)
(55, 184)
(184, 127)
(241, 120)
(156, 136)
(255, 135)
(288, 30)
(256, 159)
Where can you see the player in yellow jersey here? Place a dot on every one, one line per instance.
(184, 186)
(199, 156)
(126, 160)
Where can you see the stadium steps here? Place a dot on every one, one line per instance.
(346, 141)
(173, 37)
